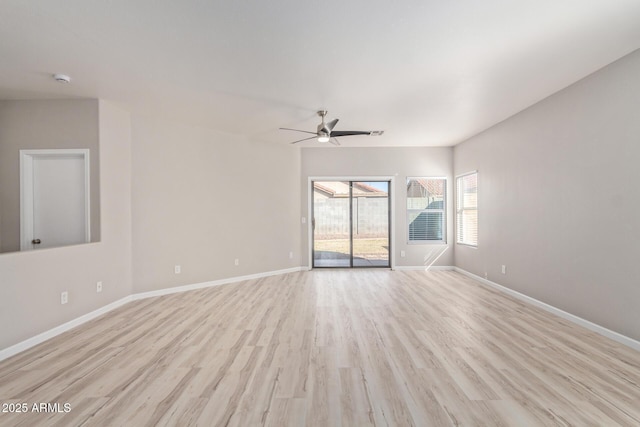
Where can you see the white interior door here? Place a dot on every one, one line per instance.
(55, 196)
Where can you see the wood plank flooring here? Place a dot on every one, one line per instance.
(327, 348)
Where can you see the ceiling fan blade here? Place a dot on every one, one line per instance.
(332, 124)
(298, 130)
(305, 139)
(350, 132)
(334, 141)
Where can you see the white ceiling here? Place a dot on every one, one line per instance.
(428, 72)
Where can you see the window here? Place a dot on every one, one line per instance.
(426, 209)
(467, 209)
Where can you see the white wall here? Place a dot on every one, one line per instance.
(559, 199)
(31, 282)
(202, 198)
(399, 162)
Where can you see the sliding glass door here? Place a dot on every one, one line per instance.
(370, 224)
(351, 223)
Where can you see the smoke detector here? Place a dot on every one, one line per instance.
(62, 78)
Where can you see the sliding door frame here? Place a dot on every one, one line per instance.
(392, 216)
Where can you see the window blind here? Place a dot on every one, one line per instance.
(426, 209)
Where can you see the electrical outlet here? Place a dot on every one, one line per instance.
(177, 269)
(64, 297)
(486, 275)
(504, 269)
(290, 255)
(237, 261)
(99, 287)
(304, 220)
(402, 254)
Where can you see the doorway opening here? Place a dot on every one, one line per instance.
(351, 224)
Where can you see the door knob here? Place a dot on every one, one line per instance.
(36, 241)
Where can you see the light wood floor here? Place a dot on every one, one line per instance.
(328, 348)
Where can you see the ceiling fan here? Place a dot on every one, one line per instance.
(325, 132)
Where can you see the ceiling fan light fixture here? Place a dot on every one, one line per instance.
(323, 138)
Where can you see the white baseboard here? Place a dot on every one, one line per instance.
(423, 267)
(195, 286)
(393, 267)
(30, 342)
(622, 339)
(40, 338)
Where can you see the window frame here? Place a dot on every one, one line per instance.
(460, 209)
(443, 210)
